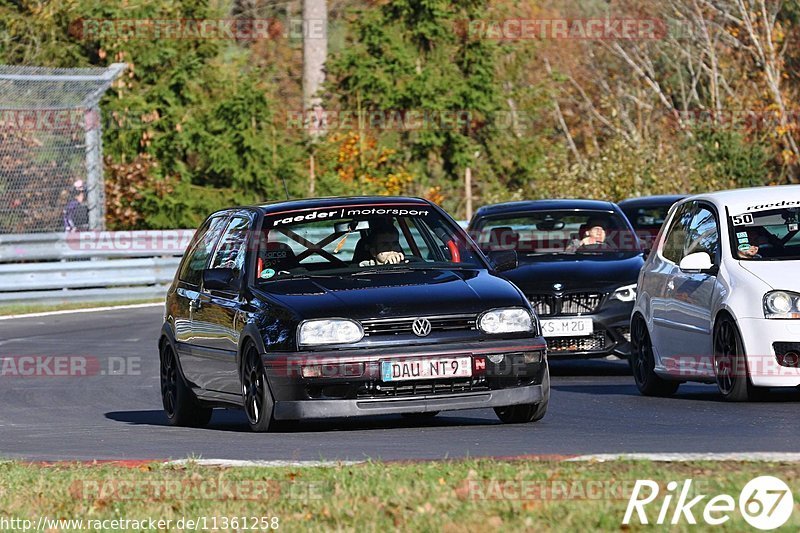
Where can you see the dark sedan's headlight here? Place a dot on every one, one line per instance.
(782, 304)
(319, 332)
(626, 293)
(506, 320)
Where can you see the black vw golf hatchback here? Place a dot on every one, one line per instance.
(346, 306)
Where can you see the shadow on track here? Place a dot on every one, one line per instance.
(589, 367)
(235, 420)
(687, 391)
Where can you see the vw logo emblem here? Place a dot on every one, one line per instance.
(557, 286)
(421, 327)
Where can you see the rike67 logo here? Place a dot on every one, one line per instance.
(765, 503)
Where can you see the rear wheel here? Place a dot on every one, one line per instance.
(529, 412)
(730, 366)
(256, 397)
(180, 403)
(643, 363)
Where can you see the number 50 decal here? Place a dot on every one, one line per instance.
(742, 220)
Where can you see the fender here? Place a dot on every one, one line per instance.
(168, 336)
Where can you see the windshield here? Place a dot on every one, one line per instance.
(359, 239)
(647, 218)
(565, 232)
(766, 235)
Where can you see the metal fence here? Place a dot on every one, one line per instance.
(53, 268)
(51, 172)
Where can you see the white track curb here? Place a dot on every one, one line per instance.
(274, 464)
(774, 457)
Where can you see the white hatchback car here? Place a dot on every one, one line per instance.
(719, 295)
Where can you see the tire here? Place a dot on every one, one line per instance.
(256, 397)
(180, 404)
(528, 412)
(730, 364)
(643, 362)
(420, 416)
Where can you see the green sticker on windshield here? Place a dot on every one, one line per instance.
(267, 273)
(744, 247)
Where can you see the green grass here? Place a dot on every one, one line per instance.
(425, 496)
(23, 309)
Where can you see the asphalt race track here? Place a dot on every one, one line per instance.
(115, 411)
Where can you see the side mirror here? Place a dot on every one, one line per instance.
(503, 260)
(697, 262)
(220, 279)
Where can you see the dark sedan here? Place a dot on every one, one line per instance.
(579, 261)
(647, 213)
(346, 306)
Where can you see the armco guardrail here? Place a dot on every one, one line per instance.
(110, 266)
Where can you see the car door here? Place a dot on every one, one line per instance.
(214, 328)
(692, 294)
(659, 284)
(187, 293)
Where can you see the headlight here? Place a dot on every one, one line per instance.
(329, 331)
(626, 293)
(782, 304)
(508, 320)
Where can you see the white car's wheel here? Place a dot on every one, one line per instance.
(643, 363)
(730, 364)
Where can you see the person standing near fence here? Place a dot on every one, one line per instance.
(76, 214)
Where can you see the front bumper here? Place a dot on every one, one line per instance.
(761, 337)
(611, 334)
(296, 410)
(352, 383)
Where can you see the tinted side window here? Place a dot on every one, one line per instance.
(703, 234)
(200, 249)
(675, 241)
(233, 246)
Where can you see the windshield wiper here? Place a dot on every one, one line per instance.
(406, 267)
(382, 268)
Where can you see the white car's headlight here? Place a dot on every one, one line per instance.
(782, 304)
(626, 293)
(506, 320)
(329, 331)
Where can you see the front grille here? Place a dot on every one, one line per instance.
(422, 387)
(401, 326)
(596, 342)
(578, 303)
(544, 304)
